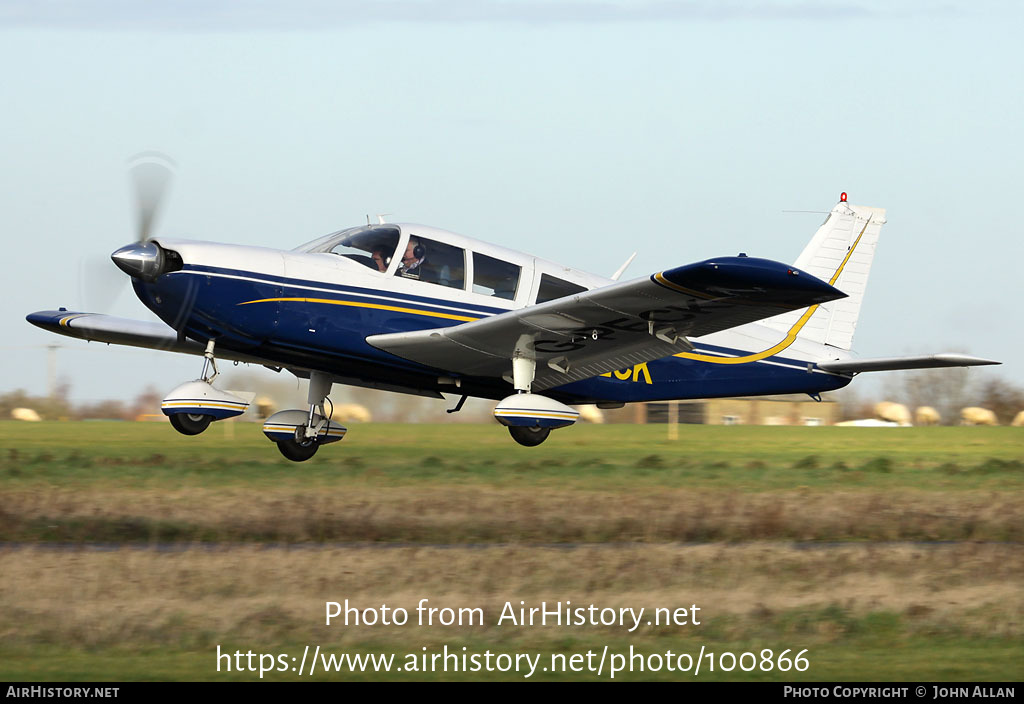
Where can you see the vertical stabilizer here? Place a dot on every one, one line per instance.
(840, 252)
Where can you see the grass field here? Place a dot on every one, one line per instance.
(889, 554)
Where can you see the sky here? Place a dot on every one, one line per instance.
(575, 130)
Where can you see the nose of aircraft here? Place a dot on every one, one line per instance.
(142, 260)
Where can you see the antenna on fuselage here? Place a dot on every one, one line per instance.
(617, 274)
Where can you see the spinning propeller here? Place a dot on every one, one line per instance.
(151, 174)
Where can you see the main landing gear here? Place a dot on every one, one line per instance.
(299, 434)
(296, 449)
(528, 437)
(531, 417)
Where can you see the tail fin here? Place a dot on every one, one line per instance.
(840, 252)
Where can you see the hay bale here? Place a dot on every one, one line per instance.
(893, 412)
(926, 415)
(265, 406)
(26, 414)
(973, 415)
(591, 414)
(346, 412)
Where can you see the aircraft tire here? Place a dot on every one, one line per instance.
(528, 437)
(190, 423)
(296, 451)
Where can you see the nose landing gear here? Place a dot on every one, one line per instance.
(192, 406)
(190, 423)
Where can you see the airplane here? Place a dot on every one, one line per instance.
(419, 310)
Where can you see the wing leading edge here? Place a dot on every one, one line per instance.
(616, 326)
(97, 327)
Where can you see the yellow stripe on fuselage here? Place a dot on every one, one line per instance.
(360, 304)
(794, 331)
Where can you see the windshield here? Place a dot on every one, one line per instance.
(371, 245)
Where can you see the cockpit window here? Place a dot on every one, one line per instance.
(493, 277)
(434, 262)
(372, 246)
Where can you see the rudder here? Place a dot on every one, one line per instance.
(841, 253)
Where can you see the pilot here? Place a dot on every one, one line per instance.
(380, 259)
(413, 259)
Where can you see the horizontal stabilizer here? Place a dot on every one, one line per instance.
(884, 364)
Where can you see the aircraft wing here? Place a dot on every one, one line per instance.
(616, 326)
(96, 327)
(884, 364)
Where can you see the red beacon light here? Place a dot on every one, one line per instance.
(842, 197)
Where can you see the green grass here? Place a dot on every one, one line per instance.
(596, 457)
(918, 576)
(139, 482)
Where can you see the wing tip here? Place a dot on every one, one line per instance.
(773, 281)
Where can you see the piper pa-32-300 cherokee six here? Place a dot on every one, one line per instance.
(418, 310)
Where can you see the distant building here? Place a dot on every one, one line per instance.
(791, 409)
